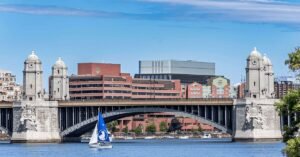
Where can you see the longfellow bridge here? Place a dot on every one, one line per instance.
(78, 117)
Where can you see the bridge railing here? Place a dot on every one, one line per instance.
(152, 99)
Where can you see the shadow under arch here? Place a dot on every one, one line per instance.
(84, 126)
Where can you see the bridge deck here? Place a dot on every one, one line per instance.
(6, 104)
(211, 102)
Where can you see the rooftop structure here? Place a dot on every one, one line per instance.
(97, 69)
(185, 71)
(176, 67)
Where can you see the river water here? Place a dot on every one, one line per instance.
(146, 148)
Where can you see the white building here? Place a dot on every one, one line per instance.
(9, 90)
(206, 91)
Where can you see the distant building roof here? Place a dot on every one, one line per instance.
(295, 80)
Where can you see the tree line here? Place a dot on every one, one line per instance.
(151, 128)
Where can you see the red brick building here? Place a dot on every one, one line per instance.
(143, 121)
(105, 81)
(220, 87)
(98, 69)
(194, 90)
(241, 90)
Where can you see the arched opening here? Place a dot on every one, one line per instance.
(87, 125)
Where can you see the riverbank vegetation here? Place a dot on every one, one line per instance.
(289, 105)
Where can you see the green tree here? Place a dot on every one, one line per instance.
(138, 130)
(151, 129)
(112, 126)
(175, 125)
(125, 130)
(200, 129)
(294, 60)
(293, 147)
(163, 127)
(290, 104)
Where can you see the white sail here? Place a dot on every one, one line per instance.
(94, 139)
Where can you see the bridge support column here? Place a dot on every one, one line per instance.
(86, 113)
(219, 114)
(256, 120)
(289, 119)
(225, 120)
(73, 116)
(0, 117)
(205, 112)
(35, 121)
(212, 113)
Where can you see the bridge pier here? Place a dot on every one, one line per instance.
(35, 122)
(256, 120)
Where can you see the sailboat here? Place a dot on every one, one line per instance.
(100, 138)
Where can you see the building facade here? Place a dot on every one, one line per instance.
(9, 90)
(241, 90)
(284, 84)
(145, 120)
(218, 87)
(176, 67)
(97, 81)
(194, 90)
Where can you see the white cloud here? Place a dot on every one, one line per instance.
(269, 11)
(57, 11)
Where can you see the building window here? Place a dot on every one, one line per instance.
(30, 98)
(58, 71)
(254, 84)
(31, 86)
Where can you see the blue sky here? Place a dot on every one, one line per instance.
(125, 31)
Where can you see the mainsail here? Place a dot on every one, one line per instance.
(103, 136)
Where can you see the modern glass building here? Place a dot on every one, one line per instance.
(185, 71)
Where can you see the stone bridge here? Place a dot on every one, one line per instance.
(75, 118)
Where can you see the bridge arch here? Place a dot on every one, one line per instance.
(90, 123)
